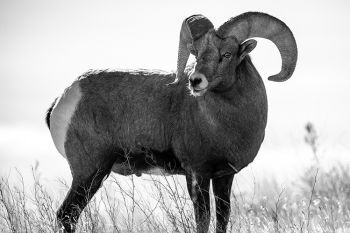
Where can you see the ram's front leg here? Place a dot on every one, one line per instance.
(198, 188)
(222, 191)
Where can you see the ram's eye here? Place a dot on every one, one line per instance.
(227, 55)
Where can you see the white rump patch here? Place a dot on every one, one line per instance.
(61, 115)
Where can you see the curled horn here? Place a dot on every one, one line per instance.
(192, 29)
(255, 24)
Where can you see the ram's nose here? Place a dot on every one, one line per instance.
(198, 81)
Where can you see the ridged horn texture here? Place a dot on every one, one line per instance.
(192, 29)
(256, 24)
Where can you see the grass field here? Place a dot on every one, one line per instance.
(318, 202)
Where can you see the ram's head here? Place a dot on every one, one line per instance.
(219, 52)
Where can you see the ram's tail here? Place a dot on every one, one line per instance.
(48, 113)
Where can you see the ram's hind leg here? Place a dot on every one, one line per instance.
(88, 171)
(80, 193)
(222, 192)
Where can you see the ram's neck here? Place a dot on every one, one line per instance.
(232, 111)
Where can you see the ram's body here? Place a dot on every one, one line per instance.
(207, 125)
(144, 123)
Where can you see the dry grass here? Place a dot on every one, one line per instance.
(320, 202)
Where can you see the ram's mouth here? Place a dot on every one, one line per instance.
(198, 92)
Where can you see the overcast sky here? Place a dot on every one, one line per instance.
(45, 45)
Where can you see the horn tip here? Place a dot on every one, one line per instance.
(176, 81)
(278, 78)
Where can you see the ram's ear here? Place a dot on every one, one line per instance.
(245, 48)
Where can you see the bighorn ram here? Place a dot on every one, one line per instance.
(130, 122)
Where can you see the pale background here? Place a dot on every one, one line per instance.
(46, 45)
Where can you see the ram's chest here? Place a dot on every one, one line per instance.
(227, 129)
(213, 121)
(209, 117)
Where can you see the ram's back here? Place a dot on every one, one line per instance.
(127, 109)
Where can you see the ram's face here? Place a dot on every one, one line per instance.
(219, 52)
(216, 60)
